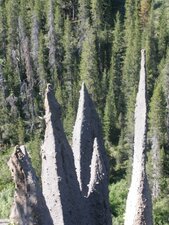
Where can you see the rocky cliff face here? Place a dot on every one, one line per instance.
(90, 160)
(59, 181)
(29, 207)
(74, 182)
(138, 208)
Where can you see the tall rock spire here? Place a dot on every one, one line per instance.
(29, 206)
(87, 128)
(59, 180)
(98, 199)
(91, 160)
(139, 206)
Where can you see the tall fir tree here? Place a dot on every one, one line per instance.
(131, 67)
(158, 136)
(114, 102)
(89, 64)
(150, 44)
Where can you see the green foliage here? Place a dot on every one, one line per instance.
(21, 132)
(69, 121)
(89, 64)
(158, 113)
(34, 148)
(110, 118)
(5, 177)
(163, 33)
(117, 195)
(6, 185)
(161, 207)
(150, 43)
(6, 199)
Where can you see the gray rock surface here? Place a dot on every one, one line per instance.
(98, 199)
(91, 160)
(156, 166)
(59, 180)
(87, 128)
(4, 221)
(29, 207)
(139, 206)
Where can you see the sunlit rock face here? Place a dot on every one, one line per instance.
(139, 206)
(74, 193)
(29, 207)
(91, 160)
(59, 181)
(87, 128)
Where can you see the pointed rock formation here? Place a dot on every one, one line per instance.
(139, 206)
(99, 208)
(91, 160)
(87, 128)
(59, 180)
(29, 207)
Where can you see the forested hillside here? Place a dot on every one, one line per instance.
(66, 42)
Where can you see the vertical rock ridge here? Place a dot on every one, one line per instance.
(139, 207)
(91, 160)
(59, 180)
(97, 168)
(29, 207)
(87, 127)
(98, 189)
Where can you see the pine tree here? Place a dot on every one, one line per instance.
(84, 18)
(110, 118)
(69, 62)
(145, 6)
(89, 65)
(12, 61)
(158, 135)
(97, 13)
(41, 67)
(131, 67)
(150, 45)
(114, 103)
(3, 31)
(163, 33)
(115, 76)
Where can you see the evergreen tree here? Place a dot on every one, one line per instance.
(89, 64)
(145, 6)
(158, 135)
(3, 30)
(41, 67)
(110, 119)
(69, 63)
(150, 45)
(131, 67)
(114, 103)
(84, 18)
(96, 13)
(115, 76)
(163, 33)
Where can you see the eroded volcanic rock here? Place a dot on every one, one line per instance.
(59, 180)
(139, 206)
(29, 207)
(91, 160)
(87, 128)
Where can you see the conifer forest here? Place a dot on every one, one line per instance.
(97, 45)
